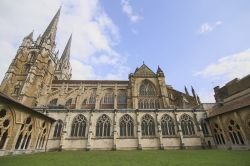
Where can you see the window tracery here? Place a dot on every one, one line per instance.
(103, 126)
(204, 127)
(5, 123)
(126, 126)
(219, 138)
(235, 133)
(148, 125)
(79, 125)
(147, 89)
(187, 125)
(25, 133)
(58, 129)
(41, 136)
(167, 125)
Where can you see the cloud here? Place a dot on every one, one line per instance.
(128, 10)
(208, 27)
(228, 67)
(94, 34)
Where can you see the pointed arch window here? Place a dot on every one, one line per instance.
(58, 129)
(5, 123)
(103, 126)
(79, 126)
(25, 133)
(167, 125)
(126, 126)
(148, 125)
(41, 137)
(235, 133)
(147, 89)
(187, 125)
(204, 127)
(219, 138)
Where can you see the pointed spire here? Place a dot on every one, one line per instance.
(193, 92)
(30, 36)
(186, 91)
(66, 52)
(159, 70)
(52, 27)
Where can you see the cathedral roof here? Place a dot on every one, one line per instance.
(91, 81)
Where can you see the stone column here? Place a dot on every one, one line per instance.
(90, 131)
(179, 131)
(64, 132)
(115, 97)
(199, 131)
(98, 97)
(158, 121)
(243, 129)
(138, 130)
(114, 130)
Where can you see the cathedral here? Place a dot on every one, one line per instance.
(42, 109)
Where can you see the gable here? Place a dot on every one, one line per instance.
(143, 71)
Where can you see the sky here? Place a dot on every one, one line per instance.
(199, 43)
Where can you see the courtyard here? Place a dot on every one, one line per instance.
(131, 158)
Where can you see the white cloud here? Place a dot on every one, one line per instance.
(208, 27)
(94, 33)
(128, 10)
(228, 67)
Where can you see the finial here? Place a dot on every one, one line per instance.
(143, 62)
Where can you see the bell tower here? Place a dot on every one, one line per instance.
(33, 67)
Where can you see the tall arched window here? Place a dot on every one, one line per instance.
(58, 129)
(148, 125)
(5, 123)
(103, 126)
(204, 127)
(167, 125)
(147, 89)
(41, 136)
(235, 133)
(25, 133)
(219, 138)
(79, 125)
(126, 126)
(187, 125)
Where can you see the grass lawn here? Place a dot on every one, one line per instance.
(131, 158)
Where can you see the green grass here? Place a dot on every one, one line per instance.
(131, 158)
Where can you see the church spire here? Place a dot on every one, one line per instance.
(50, 32)
(30, 36)
(66, 52)
(186, 91)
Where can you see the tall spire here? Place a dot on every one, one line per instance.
(30, 36)
(66, 52)
(186, 91)
(52, 27)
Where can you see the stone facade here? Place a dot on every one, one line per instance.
(142, 112)
(230, 117)
(22, 130)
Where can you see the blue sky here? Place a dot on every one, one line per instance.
(203, 43)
